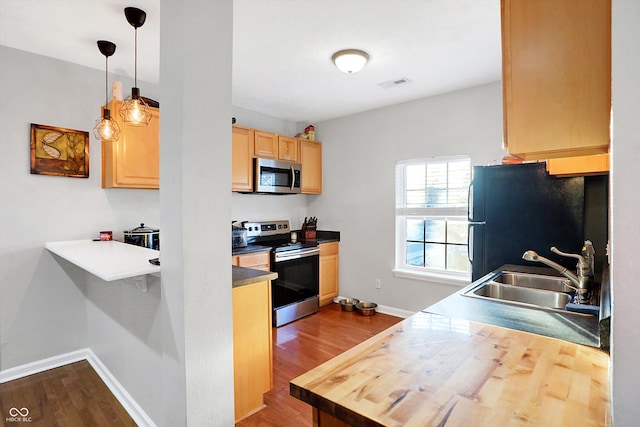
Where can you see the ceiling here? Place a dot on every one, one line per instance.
(282, 48)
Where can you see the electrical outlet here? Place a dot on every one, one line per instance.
(378, 284)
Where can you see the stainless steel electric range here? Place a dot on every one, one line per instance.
(294, 294)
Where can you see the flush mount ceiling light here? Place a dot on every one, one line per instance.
(134, 110)
(106, 128)
(350, 60)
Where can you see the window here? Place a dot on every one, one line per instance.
(431, 216)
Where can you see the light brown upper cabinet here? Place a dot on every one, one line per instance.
(242, 140)
(556, 76)
(266, 144)
(288, 148)
(311, 160)
(597, 164)
(133, 160)
(249, 143)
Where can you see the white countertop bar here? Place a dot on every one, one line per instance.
(108, 260)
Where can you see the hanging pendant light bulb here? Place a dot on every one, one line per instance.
(106, 128)
(134, 110)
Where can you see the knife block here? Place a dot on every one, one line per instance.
(309, 231)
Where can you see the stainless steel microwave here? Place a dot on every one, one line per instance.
(276, 176)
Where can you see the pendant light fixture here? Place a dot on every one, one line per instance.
(134, 110)
(350, 61)
(106, 128)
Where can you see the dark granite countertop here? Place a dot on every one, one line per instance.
(564, 325)
(322, 236)
(249, 249)
(242, 276)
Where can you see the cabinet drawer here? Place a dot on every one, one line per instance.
(257, 261)
(330, 248)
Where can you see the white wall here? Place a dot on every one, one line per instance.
(625, 200)
(359, 155)
(42, 298)
(195, 178)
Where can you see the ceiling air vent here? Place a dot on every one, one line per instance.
(394, 83)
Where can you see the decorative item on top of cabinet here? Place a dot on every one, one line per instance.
(328, 272)
(288, 148)
(579, 166)
(311, 160)
(133, 160)
(266, 144)
(242, 145)
(556, 67)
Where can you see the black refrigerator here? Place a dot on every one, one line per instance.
(513, 208)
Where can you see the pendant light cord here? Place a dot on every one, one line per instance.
(135, 60)
(106, 81)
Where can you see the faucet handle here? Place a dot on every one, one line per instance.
(583, 266)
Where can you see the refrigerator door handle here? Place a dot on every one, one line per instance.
(470, 233)
(469, 242)
(469, 204)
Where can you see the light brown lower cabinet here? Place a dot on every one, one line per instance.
(257, 261)
(328, 272)
(252, 352)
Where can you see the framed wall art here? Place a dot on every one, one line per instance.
(59, 151)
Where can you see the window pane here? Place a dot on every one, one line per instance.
(415, 198)
(457, 232)
(415, 254)
(415, 229)
(415, 177)
(436, 184)
(435, 255)
(457, 258)
(433, 193)
(435, 230)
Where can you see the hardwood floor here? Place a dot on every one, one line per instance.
(75, 396)
(303, 345)
(69, 396)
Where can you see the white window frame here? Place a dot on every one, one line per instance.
(402, 214)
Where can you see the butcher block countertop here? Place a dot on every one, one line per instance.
(433, 370)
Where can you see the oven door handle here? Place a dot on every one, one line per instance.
(302, 253)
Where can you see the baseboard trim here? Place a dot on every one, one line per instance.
(42, 365)
(385, 309)
(395, 311)
(126, 400)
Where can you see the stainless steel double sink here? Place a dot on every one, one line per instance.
(541, 291)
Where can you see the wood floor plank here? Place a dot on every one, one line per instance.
(301, 346)
(69, 396)
(74, 395)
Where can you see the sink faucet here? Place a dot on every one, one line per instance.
(581, 281)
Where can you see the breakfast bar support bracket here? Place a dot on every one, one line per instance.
(139, 281)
